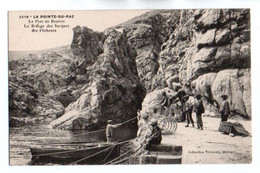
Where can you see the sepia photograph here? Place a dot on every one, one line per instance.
(130, 87)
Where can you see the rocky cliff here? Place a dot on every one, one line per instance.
(113, 91)
(211, 50)
(36, 80)
(106, 75)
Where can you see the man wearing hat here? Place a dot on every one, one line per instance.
(154, 136)
(224, 113)
(109, 130)
(199, 109)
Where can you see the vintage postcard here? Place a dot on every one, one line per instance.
(124, 87)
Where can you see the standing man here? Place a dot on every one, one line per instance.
(109, 130)
(179, 97)
(189, 106)
(164, 102)
(224, 113)
(199, 109)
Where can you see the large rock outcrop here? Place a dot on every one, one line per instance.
(221, 41)
(203, 45)
(32, 76)
(146, 34)
(114, 91)
(235, 83)
(104, 75)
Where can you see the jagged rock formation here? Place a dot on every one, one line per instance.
(32, 76)
(221, 43)
(203, 47)
(106, 75)
(114, 91)
(146, 34)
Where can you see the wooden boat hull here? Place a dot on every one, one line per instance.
(69, 153)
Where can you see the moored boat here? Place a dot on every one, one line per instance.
(78, 153)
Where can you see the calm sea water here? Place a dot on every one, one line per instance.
(21, 138)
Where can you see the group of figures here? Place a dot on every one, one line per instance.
(149, 133)
(191, 103)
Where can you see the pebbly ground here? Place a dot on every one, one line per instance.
(210, 146)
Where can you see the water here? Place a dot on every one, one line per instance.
(21, 138)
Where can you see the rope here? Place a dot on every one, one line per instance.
(129, 120)
(80, 135)
(108, 154)
(111, 162)
(60, 152)
(90, 132)
(122, 160)
(126, 145)
(119, 161)
(102, 129)
(91, 155)
(99, 152)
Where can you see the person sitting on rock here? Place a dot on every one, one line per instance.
(199, 109)
(109, 130)
(225, 111)
(153, 136)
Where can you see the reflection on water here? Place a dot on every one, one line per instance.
(21, 138)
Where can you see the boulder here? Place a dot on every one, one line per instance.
(231, 83)
(222, 57)
(206, 39)
(205, 55)
(223, 36)
(151, 103)
(209, 18)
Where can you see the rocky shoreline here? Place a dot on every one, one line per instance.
(112, 74)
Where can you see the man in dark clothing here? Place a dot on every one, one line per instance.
(109, 130)
(179, 97)
(199, 109)
(189, 106)
(164, 104)
(154, 136)
(224, 113)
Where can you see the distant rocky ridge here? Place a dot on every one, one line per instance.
(106, 75)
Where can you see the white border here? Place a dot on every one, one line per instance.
(12, 5)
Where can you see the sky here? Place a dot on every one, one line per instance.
(21, 37)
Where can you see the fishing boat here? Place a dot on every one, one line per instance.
(74, 153)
